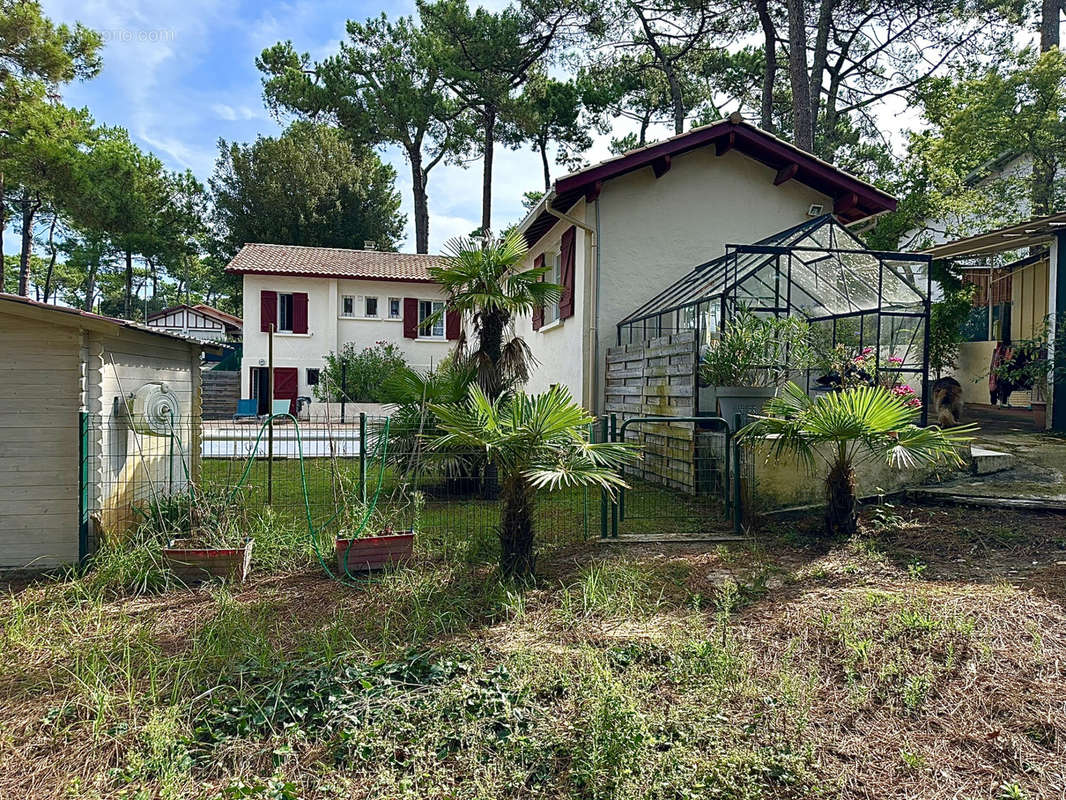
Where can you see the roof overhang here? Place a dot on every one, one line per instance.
(1033, 232)
(25, 308)
(853, 199)
(326, 275)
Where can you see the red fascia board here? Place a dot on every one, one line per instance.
(753, 143)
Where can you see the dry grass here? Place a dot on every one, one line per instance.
(926, 659)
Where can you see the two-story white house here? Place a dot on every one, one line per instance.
(320, 298)
(617, 233)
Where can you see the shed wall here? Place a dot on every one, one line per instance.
(39, 428)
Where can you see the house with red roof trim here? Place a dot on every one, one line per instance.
(618, 233)
(318, 299)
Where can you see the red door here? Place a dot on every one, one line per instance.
(287, 385)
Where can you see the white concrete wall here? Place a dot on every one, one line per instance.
(39, 431)
(560, 346)
(327, 330)
(653, 231)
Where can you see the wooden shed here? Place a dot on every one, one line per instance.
(79, 447)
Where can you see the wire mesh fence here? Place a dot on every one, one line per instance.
(681, 486)
(372, 472)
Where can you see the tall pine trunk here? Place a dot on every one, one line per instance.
(52, 252)
(29, 211)
(489, 123)
(421, 200)
(517, 559)
(802, 124)
(542, 145)
(769, 75)
(3, 229)
(128, 307)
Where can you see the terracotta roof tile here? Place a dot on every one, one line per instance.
(332, 262)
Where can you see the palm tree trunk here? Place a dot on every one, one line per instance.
(841, 517)
(516, 528)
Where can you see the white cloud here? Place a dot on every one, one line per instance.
(231, 113)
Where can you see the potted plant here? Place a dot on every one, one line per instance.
(205, 533)
(373, 538)
(1031, 367)
(751, 358)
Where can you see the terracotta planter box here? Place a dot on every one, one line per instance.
(374, 552)
(193, 565)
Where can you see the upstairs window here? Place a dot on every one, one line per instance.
(347, 306)
(394, 308)
(426, 309)
(285, 312)
(370, 307)
(554, 275)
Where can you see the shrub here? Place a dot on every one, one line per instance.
(358, 374)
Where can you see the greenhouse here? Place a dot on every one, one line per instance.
(872, 306)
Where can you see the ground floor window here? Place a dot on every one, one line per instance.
(312, 376)
(426, 309)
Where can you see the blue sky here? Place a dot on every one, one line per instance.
(180, 74)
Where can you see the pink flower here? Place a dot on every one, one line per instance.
(895, 360)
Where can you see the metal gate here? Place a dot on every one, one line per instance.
(686, 485)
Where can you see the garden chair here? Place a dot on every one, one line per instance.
(247, 410)
(279, 407)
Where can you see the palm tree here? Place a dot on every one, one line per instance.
(484, 283)
(845, 429)
(536, 442)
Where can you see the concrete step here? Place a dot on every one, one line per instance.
(987, 462)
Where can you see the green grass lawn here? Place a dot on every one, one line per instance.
(903, 663)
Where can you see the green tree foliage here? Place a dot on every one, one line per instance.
(36, 132)
(485, 57)
(309, 186)
(547, 113)
(537, 442)
(978, 123)
(382, 88)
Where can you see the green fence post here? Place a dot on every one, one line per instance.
(603, 492)
(738, 506)
(614, 506)
(362, 455)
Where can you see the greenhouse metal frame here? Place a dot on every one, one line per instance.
(867, 300)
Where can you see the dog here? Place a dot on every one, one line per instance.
(947, 402)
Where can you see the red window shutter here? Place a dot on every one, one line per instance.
(567, 258)
(538, 311)
(410, 318)
(268, 310)
(299, 312)
(452, 324)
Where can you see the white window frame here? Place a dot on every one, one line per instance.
(434, 307)
(554, 275)
(345, 298)
(281, 309)
(366, 306)
(399, 308)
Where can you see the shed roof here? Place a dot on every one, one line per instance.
(853, 198)
(1032, 232)
(201, 308)
(333, 262)
(65, 315)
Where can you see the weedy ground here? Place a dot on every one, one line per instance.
(924, 658)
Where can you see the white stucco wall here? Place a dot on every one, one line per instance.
(654, 230)
(327, 330)
(560, 346)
